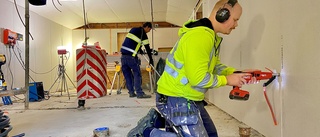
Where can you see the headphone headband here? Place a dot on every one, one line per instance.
(232, 2)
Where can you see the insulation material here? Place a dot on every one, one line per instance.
(91, 72)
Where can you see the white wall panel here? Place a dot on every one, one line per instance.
(284, 36)
(301, 33)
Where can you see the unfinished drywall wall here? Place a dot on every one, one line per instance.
(46, 37)
(283, 36)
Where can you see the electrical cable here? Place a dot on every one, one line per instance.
(19, 135)
(85, 23)
(152, 51)
(195, 9)
(67, 58)
(59, 2)
(85, 42)
(23, 66)
(267, 99)
(17, 98)
(20, 60)
(55, 6)
(152, 18)
(9, 64)
(15, 4)
(88, 23)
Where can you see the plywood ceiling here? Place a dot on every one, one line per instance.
(70, 13)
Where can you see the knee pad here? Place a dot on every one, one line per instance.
(160, 133)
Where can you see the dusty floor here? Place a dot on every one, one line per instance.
(58, 116)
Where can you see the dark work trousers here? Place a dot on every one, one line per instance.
(207, 121)
(130, 67)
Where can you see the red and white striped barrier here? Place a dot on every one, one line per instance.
(91, 72)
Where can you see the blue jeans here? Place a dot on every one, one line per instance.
(131, 72)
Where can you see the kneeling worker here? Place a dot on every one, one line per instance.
(192, 67)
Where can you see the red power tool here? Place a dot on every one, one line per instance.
(238, 94)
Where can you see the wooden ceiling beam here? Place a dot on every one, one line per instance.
(126, 25)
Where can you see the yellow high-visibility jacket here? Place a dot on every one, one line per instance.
(193, 65)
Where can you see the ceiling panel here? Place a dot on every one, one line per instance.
(177, 14)
(99, 11)
(128, 11)
(70, 13)
(159, 9)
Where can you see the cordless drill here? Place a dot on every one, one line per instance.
(239, 94)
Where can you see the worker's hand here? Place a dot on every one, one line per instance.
(253, 80)
(151, 62)
(237, 79)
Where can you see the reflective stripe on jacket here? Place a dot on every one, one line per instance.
(193, 65)
(134, 40)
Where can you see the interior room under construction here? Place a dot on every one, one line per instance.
(61, 70)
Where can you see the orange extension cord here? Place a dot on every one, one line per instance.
(269, 105)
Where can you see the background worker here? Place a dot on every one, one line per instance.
(135, 39)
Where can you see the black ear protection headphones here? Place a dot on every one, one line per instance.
(223, 13)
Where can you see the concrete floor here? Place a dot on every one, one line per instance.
(58, 116)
